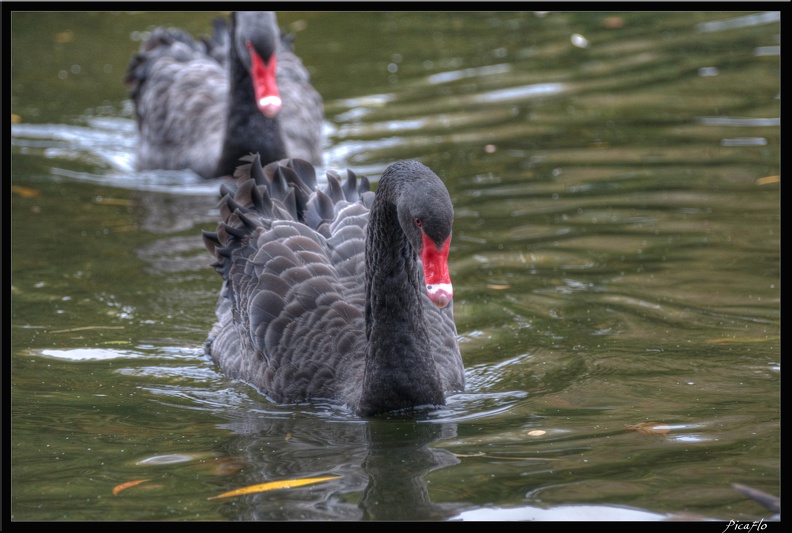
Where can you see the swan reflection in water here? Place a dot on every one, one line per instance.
(383, 478)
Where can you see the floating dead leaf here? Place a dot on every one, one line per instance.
(124, 486)
(84, 328)
(502, 457)
(288, 436)
(15, 119)
(498, 287)
(64, 37)
(649, 428)
(113, 201)
(225, 466)
(613, 23)
(298, 25)
(537, 432)
(273, 485)
(477, 454)
(768, 179)
(599, 144)
(730, 340)
(25, 192)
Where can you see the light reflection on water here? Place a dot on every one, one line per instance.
(615, 260)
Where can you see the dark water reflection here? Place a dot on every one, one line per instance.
(384, 476)
(615, 259)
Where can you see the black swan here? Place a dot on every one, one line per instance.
(338, 294)
(204, 104)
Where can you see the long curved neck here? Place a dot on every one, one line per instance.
(247, 130)
(399, 371)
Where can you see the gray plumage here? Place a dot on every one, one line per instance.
(323, 293)
(195, 106)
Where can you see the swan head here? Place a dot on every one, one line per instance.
(256, 37)
(426, 215)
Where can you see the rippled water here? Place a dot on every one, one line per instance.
(616, 250)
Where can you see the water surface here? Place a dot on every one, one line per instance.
(615, 260)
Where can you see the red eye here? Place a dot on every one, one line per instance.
(418, 222)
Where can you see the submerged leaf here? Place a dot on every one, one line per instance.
(648, 428)
(273, 485)
(123, 486)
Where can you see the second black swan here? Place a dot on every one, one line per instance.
(203, 104)
(341, 293)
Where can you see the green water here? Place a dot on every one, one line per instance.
(615, 259)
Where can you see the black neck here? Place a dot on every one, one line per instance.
(247, 129)
(400, 370)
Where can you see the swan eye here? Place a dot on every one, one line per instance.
(418, 222)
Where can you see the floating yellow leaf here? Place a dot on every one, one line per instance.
(768, 179)
(536, 432)
(648, 428)
(86, 327)
(15, 119)
(123, 486)
(274, 485)
(25, 192)
(498, 287)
